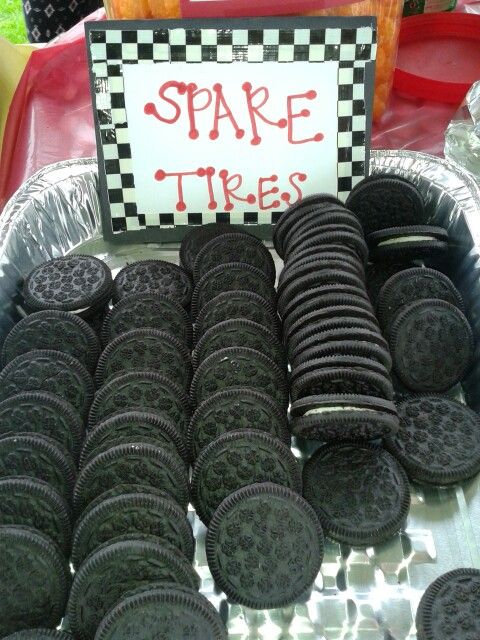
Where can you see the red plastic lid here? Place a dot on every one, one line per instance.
(438, 56)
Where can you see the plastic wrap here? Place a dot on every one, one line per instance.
(361, 594)
(462, 139)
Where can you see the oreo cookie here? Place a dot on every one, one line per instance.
(76, 283)
(33, 503)
(239, 332)
(193, 242)
(383, 201)
(361, 348)
(438, 442)
(45, 414)
(144, 391)
(239, 367)
(134, 463)
(37, 571)
(296, 212)
(132, 513)
(133, 426)
(234, 247)
(319, 279)
(338, 380)
(237, 459)
(323, 251)
(449, 607)
(358, 491)
(339, 361)
(49, 371)
(154, 277)
(141, 310)
(328, 216)
(333, 234)
(264, 546)
(411, 285)
(127, 488)
(234, 305)
(432, 345)
(36, 456)
(145, 350)
(127, 564)
(231, 276)
(420, 242)
(39, 634)
(343, 417)
(233, 409)
(167, 608)
(307, 295)
(316, 265)
(53, 330)
(377, 273)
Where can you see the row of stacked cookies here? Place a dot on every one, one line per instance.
(341, 388)
(130, 528)
(246, 483)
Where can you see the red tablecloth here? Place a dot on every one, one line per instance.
(51, 116)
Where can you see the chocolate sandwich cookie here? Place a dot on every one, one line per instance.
(341, 361)
(45, 414)
(136, 513)
(141, 310)
(343, 417)
(134, 463)
(36, 456)
(127, 488)
(231, 276)
(316, 218)
(317, 293)
(359, 492)
(235, 460)
(264, 546)
(239, 332)
(421, 242)
(234, 247)
(154, 277)
(233, 305)
(53, 330)
(411, 285)
(233, 409)
(338, 331)
(385, 201)
(49, 371)
(239, 367)
(324, 302)
(39, 634)
(145, 350)
(432, 345)
(34, 503)
(145, 391)
(133, 426)
(193, 242)
(296, 212)
(169, 609)
(316, 265)
(331, 234)
(321, 315)
(320, 250)
(127, 564)
(314, 280)
(337, 379)
(361, 348)
(438, 441)
(76, 283)
(449, 608)
(377, 273)
(36, 591)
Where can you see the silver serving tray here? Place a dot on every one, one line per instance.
(360, 594)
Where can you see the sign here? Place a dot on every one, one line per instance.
(197, 121)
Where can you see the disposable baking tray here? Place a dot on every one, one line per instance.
(359, 594)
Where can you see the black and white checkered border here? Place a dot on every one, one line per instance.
(111, 48)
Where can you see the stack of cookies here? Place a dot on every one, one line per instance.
(246, 483)
(340, 382)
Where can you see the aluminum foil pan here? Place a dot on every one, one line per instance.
(360, 594)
